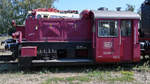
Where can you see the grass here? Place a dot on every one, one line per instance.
(126, 76)
(87, 74)
(70, 80)
(94, 76)
(144, 67)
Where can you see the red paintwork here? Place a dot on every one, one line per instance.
(29, 51)
(144, 39)
(58, 29)
(123, 49)
(103, 54)
(127, 46)
(17, 35)
(85, 14)
(21, 28)
(136, 45)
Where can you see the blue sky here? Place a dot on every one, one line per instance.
(94, 4)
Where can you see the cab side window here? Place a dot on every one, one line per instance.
(107, 28)
(126, 28)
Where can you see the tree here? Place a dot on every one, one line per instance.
(17, 10)
(139, 11)
(130, 7)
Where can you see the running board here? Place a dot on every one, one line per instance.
(63, 62)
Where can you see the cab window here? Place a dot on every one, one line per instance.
(107, 28)
(126, 28)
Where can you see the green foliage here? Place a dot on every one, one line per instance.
(145, 67)
(17, 10)
(130, 7)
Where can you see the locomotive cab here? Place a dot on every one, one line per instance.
(115, 36)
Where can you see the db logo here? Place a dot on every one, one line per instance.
(107, 44)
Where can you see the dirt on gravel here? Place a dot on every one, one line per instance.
(40, 78)
(19, 78)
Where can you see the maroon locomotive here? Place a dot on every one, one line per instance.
(65, 37)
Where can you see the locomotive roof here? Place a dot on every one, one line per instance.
(115, 14)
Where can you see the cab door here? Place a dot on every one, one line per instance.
(126, 40)
(107, 41)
